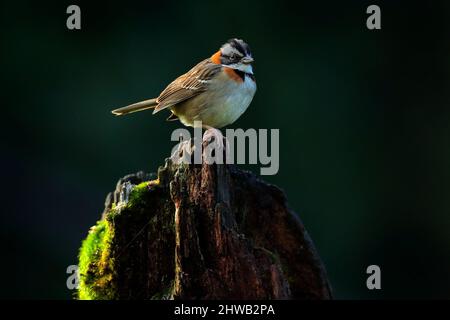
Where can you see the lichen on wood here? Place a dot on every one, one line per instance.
(199, 232)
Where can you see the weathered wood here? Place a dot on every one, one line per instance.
(199, 232)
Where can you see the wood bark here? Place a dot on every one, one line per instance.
(204, 232)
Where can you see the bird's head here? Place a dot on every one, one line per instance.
(235, 54)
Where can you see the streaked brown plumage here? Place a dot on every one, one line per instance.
(216, 91)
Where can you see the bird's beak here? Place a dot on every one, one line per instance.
(247, 60)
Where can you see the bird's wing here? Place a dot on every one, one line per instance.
(188, 85)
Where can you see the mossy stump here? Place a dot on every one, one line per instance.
(199, 232)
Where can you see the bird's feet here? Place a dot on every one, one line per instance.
(213, 135)
(212, 149)
(214, 140)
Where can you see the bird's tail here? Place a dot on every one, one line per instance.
(135, 107)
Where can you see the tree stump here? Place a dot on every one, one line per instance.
(199, 232)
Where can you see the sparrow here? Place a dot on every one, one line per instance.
(217, 91)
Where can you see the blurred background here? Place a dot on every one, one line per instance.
(364, 119)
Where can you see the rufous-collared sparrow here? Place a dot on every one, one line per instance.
(217, 91)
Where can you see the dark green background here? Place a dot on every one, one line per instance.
(363, 116)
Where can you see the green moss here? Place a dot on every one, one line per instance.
(96, 256)
(96, 265)
(138, 193)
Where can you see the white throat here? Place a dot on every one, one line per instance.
(247, 68)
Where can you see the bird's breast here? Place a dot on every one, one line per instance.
(221, 104)
(231, 101)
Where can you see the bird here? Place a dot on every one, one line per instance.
(213, 94)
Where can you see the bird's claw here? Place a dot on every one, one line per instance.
(213, 135)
